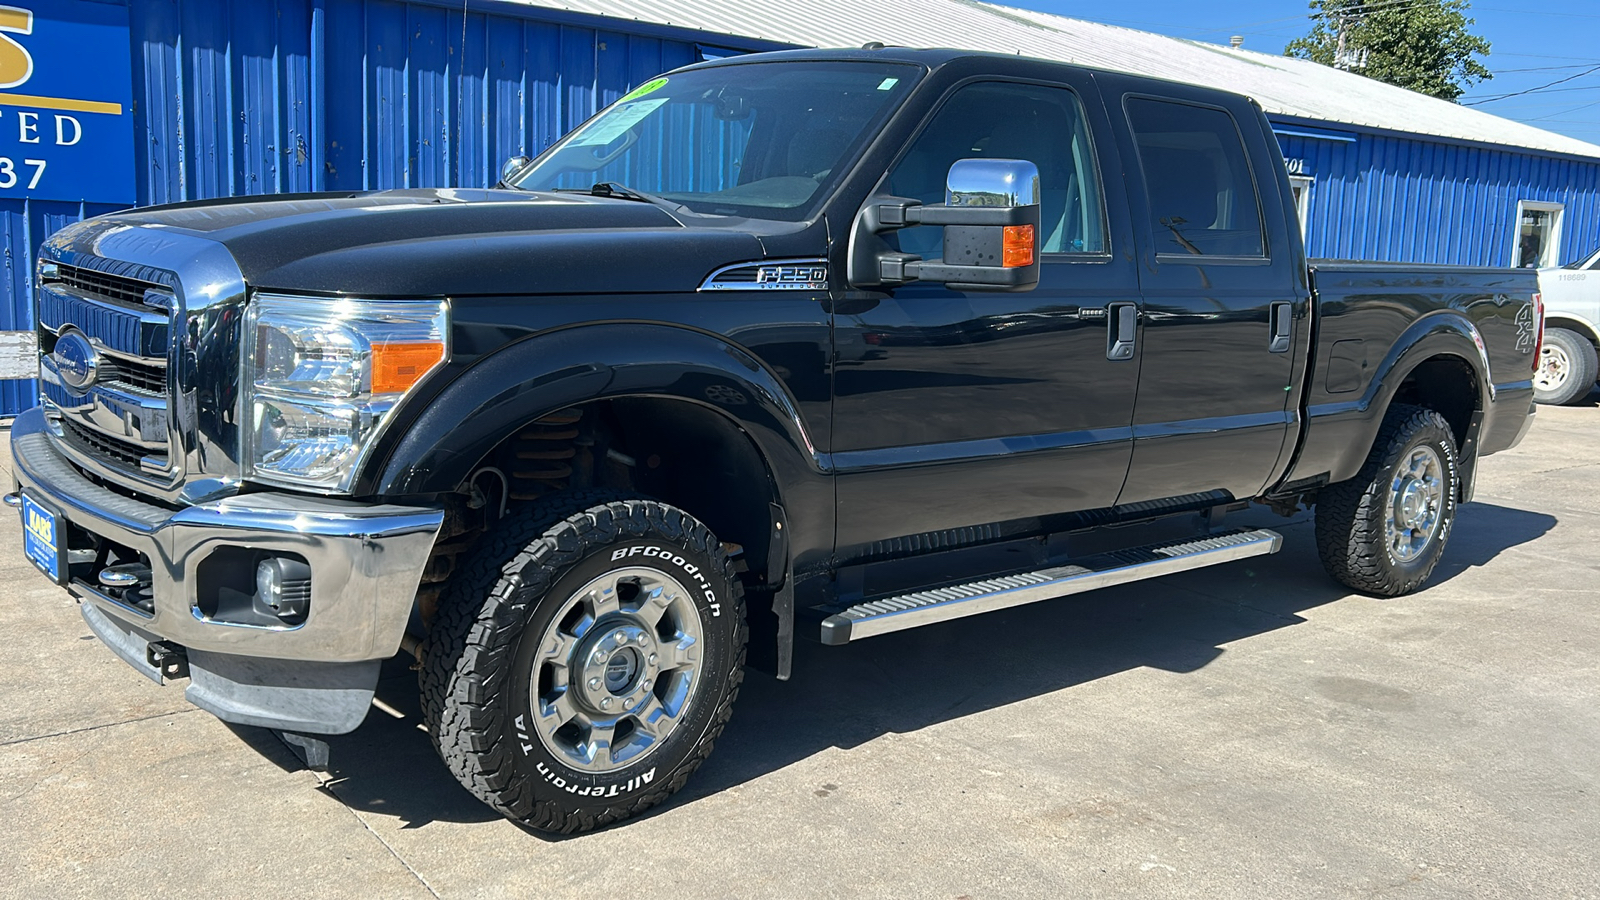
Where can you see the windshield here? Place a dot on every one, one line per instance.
(765, 140)
(1591, 261)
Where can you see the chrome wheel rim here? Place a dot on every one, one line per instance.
(616, 669)
(1416, 503)
(1554, 368)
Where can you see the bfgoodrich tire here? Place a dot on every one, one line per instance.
(584, 660)
(1383, 531)
(1567, 368)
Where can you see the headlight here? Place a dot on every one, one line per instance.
(321, 376)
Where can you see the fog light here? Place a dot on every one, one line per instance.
(284, 586)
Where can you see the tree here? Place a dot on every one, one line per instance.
(1420, 45)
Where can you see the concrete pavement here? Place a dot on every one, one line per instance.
(1245, 731)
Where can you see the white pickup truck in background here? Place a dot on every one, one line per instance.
(1567, 363)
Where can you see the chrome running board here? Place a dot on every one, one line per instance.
(875, 617)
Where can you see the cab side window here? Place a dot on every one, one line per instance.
(998, 120)
(1202, 196)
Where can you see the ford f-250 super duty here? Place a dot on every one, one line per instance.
(793, 344)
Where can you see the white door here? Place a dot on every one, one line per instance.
(1538, 237)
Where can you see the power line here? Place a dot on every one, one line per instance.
(1542, 69)
(1535, 89)
(1574, 109)
(1538, 12)
(1581, 59)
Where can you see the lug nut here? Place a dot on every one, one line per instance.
(599, 657)
(606, 703)
(594, 682)
(628, 703)
(645, 686)
(652, 659)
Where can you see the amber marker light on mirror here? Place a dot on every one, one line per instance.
(1017, 246)
(398, 366)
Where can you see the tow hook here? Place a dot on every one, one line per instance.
(168, 658)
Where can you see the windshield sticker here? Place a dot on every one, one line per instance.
(888, 83)
(615, 123)
(646, 88)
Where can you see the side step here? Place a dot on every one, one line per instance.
(875, 617)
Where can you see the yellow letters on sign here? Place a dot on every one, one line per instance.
(41, 527)
(16, 66)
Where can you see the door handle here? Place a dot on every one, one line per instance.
(1280, 327)
(1122, 326)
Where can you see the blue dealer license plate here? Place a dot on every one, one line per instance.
(40, 538)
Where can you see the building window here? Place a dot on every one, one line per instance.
(1301, 186)
(1538, 236)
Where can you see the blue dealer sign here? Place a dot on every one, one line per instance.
(66, 104)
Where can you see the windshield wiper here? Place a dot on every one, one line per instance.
(620, 192)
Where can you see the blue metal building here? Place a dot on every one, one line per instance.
(226, 97)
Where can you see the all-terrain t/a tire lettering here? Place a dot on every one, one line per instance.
(585, 659)
(1383, 531)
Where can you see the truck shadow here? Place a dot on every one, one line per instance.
(846, 696)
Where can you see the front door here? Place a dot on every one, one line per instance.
(990, 407)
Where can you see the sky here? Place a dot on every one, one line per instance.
(1534, 44)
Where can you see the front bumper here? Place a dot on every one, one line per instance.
(366, 561)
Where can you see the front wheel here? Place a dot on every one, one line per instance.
(1383, 531)
(1567, 368)
(584, 661)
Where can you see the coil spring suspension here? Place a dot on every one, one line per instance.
(542, 462)
(543, 455)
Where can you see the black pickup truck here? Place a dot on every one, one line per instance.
(798, 344)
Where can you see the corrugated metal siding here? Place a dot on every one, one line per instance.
(1390, 198)
(252, 97)
(261, 96)
(23, 225)
(265, 96)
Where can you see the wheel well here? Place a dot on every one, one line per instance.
(678, 452)
(1447, 385)
(1575, 326)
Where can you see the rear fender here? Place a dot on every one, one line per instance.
(1339, 434)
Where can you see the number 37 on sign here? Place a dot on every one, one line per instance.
(66, 127)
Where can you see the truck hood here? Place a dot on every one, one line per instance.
(449, 242)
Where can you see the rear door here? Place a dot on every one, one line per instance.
(1224, 297)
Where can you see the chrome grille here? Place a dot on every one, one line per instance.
(139, 375)
(118, 289)
(120, 421)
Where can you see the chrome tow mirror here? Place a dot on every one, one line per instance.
(511, 167)
(992, 182)
(991, 222)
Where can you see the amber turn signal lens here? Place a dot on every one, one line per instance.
(396, 367)
(1017, 246)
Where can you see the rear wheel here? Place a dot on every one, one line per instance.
(584, 661)
(1567, 368)
(1383, 531)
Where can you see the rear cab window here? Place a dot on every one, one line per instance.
(1203, 200)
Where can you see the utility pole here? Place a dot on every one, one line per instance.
(1344, 57)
